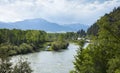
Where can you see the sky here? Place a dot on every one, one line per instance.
(57, 11)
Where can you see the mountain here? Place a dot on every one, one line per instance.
(77, 26)
(41, 24)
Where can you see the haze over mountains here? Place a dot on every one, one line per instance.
(41, 24)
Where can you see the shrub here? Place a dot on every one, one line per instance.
(58, 45)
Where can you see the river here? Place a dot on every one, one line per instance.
(51, 61)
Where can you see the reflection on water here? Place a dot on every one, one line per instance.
(50, 61)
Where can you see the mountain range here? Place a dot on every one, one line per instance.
(41, 24)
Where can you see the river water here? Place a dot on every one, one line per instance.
(51, 61)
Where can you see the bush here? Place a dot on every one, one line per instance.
(25, 48)
(14, 50)
(58, 45)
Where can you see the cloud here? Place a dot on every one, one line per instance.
(58, 11)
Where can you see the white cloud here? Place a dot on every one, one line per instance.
(58, 11)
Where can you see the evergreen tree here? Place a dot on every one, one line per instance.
(103, 54)
(81, 33)
(93, 30)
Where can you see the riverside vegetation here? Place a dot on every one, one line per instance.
(27, 41)
(7, 67)
(14, 42)
(103, 54)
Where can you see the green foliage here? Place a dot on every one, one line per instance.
(81, 43)
(62, 36)
(93, 30)
(22, 67)
(83, 60)
(103, 55)
(7, 67)
(114, 65)
(26, 41)
(20, 41)
(24, 48)
(58, 45)
(18, 37)
(71, 36)
(14, 50)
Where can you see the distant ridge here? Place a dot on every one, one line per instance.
(41, 24)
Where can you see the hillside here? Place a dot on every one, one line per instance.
(103, 55)
(113, 17)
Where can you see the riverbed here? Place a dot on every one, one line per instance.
(51, 61)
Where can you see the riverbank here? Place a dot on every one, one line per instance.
(51, 61)
(16, 41)
(85, 43)
(23, 48)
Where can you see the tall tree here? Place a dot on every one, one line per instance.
(81, 33)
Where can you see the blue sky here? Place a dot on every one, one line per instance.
(58, 11)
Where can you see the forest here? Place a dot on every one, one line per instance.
(103, 54)
(17, 41)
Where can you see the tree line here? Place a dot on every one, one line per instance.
(20, 41)
(17, 41)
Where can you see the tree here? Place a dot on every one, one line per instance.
(22, 67)
(7, 67)
(83, 60)
(81, 33)
(103, 55)
(93, 30)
